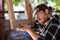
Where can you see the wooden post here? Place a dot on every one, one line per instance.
(28, 10)
(2, 21)
(11, 13)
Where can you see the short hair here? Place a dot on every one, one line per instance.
(41, 7)
(50, 10)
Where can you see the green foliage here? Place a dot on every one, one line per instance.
(39, 1)
(57, 2)
(15, 2)
(21, 2)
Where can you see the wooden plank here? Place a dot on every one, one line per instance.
(2, 22)
(11, 13)
(2, 29)
(28, 10)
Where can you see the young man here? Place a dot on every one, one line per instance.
(45, 27)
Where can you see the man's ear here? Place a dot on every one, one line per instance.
(46, 11)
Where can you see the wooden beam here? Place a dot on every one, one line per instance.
(2, 22)
(28, 10)
(11, 13)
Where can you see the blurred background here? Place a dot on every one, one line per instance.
(19, 8)
(19, 11)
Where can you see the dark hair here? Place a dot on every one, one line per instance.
(50, 8)
(41, 7)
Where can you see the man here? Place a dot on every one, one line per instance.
(45, 27)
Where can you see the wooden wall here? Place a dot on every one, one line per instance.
(2, 21)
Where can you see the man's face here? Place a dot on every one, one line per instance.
(41, 16)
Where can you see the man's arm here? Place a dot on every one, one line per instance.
(32, 33)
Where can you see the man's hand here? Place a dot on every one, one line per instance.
(24, 27)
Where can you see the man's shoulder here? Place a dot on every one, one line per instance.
(53, 30)
(54, 20)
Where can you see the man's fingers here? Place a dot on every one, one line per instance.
(21, 25)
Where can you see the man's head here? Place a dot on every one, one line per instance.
(42, 13)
